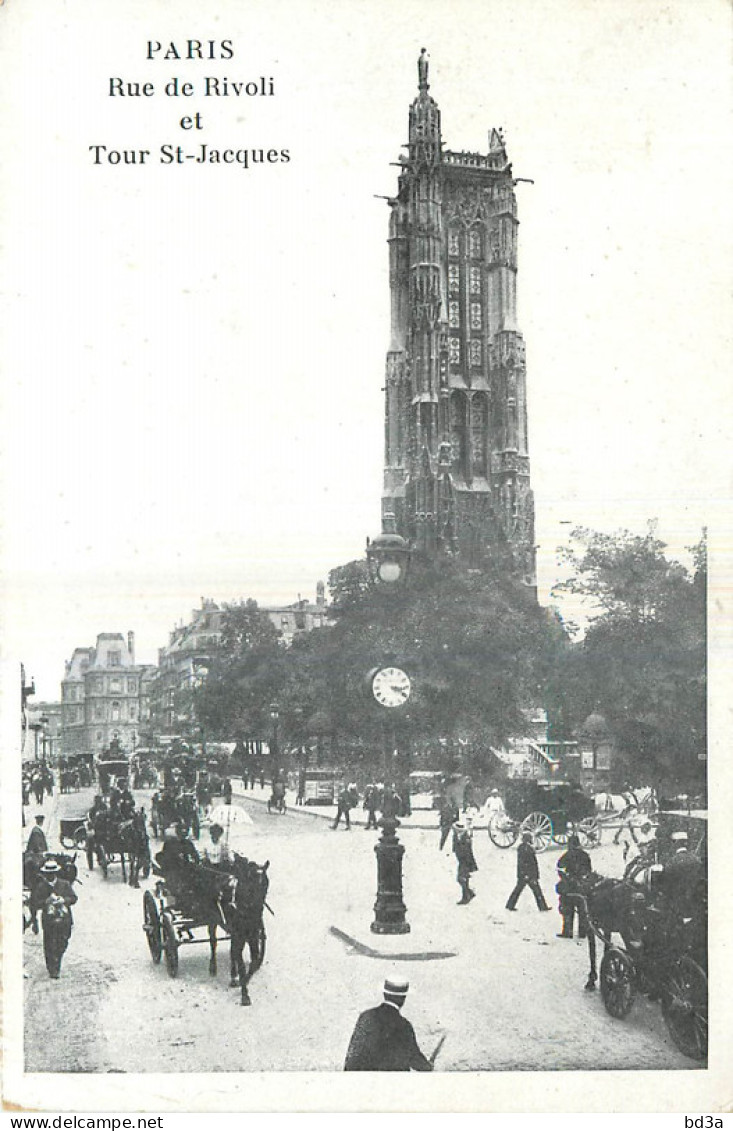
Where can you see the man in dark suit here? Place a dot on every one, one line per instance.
(528, 875)
(37, 845)
(573, 866)
(383, 1040)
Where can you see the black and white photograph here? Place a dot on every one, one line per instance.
(366, 469)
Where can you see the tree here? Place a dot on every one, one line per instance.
(642, 662)
(244, 678)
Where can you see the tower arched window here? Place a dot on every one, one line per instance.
(454, 315)
(474, 351)
(454, 278)
(474, 243)
(454, 245)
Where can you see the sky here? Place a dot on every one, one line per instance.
(193, 355)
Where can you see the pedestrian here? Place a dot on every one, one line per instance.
(573, 866)
(55, 896)
(348, 798)
(448, 816)
(37, 784)
(383, 1040)
(226, 790)
(528, 875)
(494, 805)
(463, 850)
(371, 804)
(37, 845)
(300, 798)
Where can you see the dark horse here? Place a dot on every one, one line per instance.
(232, 898)
(133, 840)
(611, 907)
(243, 906)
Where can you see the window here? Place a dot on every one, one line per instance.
(454, 278)
(132, 686)
(454, 315)
(115, 712)
(132, 709)
(114, 659)
(474, 351)
(474, 280)
(475, 315)
(98, 714)
(115, 686)
(454, 350)
(454, 247)
(474, 243)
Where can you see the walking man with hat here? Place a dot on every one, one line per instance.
(383, 1040)
(528, 875)
(463, 850)
(54, 896)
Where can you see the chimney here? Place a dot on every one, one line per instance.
(131, 646)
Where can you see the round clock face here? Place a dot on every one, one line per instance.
(391, 687)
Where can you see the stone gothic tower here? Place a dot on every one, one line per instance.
(456, 473)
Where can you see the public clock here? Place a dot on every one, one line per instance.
(391, 687)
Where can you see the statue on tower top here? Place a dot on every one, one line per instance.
(422, 69)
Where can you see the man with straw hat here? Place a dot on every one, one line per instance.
(383, 1040)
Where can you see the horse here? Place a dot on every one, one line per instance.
(133, 839)
(243, 906)
(612, 907)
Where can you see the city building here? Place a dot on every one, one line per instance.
(104, 696)
(456, 475)
(185, 661)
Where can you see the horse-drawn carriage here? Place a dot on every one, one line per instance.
(548, 811)
(171, 808)
(662, 950)
(111, 839)
(228, 901)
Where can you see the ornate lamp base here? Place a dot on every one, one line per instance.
(389, 907)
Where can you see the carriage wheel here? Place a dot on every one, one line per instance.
(685, 1007)
(170, 945)
(80, 838)
(151, 926)
(618, 984)
(560, 835)
(539, 826)
(589, 831)
(67, 840)
(503, 831)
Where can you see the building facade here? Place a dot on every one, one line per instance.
(104, 695)
(184, 662)
(456, 474)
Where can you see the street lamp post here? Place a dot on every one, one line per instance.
(388, 560)
(274, 746)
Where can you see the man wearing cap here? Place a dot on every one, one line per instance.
(37, 845)
(463, 850)
(528, 875)
(383, 1040)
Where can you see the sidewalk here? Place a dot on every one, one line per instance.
(419, 818)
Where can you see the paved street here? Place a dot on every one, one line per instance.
(510, 996)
